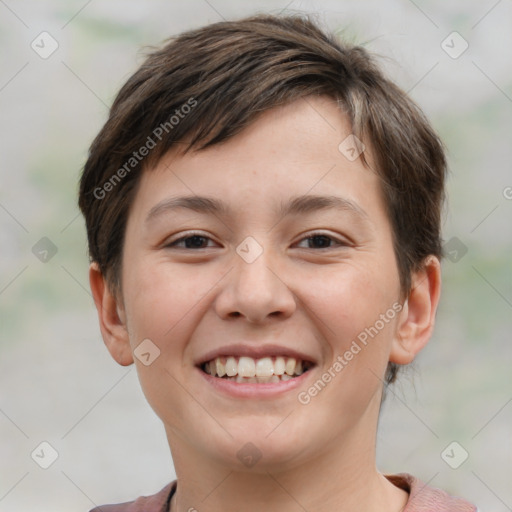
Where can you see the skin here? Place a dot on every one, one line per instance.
(297, 293)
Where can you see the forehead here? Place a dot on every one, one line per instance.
(296, 150)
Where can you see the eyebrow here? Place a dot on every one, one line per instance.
(299, 205)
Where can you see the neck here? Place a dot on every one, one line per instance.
(342, 478)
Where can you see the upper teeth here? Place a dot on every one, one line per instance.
(249, 367)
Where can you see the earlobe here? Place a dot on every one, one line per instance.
(111, 318)
(417, 317)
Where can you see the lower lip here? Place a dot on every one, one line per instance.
(254, 390)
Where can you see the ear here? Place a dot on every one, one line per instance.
(417, 318)
(111, 317)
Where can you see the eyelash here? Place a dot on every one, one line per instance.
(339, 242)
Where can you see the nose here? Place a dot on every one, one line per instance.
(256, 291)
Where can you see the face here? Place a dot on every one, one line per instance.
(261, 278)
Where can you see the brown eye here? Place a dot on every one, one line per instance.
(192, 241)
(322, 241)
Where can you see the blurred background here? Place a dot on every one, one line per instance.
(449, 418)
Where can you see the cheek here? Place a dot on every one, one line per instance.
(352, 298)
(157, 303)
(357, 315)
(161, 307)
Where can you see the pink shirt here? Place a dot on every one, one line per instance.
(421, 499)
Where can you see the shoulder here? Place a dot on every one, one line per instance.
(423, 498)
(158, 502)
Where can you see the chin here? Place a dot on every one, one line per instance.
(257, 448)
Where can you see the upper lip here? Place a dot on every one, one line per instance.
(254, 351)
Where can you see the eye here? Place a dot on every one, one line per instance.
(322, 241)
(200, 241)
(191, 241)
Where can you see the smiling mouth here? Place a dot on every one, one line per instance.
(248, 370)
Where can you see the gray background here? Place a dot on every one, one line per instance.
(57, 381)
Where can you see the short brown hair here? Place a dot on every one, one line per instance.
(226, 74)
